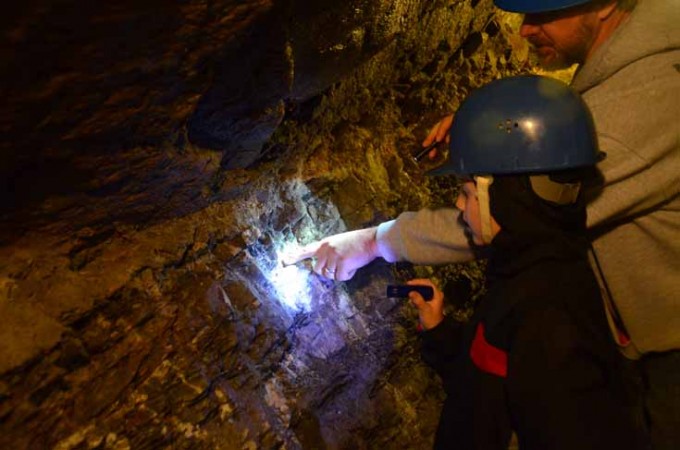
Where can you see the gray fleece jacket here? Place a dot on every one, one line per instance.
(632, 86)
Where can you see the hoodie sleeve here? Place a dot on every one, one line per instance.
(441, 348)
(429, 236)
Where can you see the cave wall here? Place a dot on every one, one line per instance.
(157, 158)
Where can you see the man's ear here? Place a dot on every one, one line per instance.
(606, 10)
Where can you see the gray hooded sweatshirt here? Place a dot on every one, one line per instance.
(632, 86)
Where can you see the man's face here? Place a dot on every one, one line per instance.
(562, 38)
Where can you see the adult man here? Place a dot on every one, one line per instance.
(629, 76)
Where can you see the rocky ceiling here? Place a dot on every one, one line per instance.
(156, 159)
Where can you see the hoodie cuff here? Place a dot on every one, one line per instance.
(385, 242)
(443, 334)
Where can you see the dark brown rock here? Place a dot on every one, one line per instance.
(156, 159)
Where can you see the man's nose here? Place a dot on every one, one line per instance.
(530, 27)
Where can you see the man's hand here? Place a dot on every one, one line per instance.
(431, 313)
(438, 133)
(339, 256)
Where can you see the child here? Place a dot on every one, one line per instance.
(537, 357)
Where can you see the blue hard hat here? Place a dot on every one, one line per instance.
(537, 6)
(522, 124)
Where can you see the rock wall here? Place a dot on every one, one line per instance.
(158, 159)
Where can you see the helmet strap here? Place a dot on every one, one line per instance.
(483, 182)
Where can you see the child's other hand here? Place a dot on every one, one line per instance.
(431, 313)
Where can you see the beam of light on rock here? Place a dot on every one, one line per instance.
(292, 283)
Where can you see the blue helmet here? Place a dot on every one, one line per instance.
(537, 6)
(522, 124)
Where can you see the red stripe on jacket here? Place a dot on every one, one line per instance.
(486, 357)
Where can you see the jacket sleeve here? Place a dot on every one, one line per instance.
(441, 347)
(429, 236)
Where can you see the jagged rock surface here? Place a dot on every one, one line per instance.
(156, 161)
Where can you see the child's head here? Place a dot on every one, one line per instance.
(529, 133)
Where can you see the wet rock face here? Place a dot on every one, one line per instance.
(157, 158)
(295, 51)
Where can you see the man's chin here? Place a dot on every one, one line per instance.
(549, 59)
